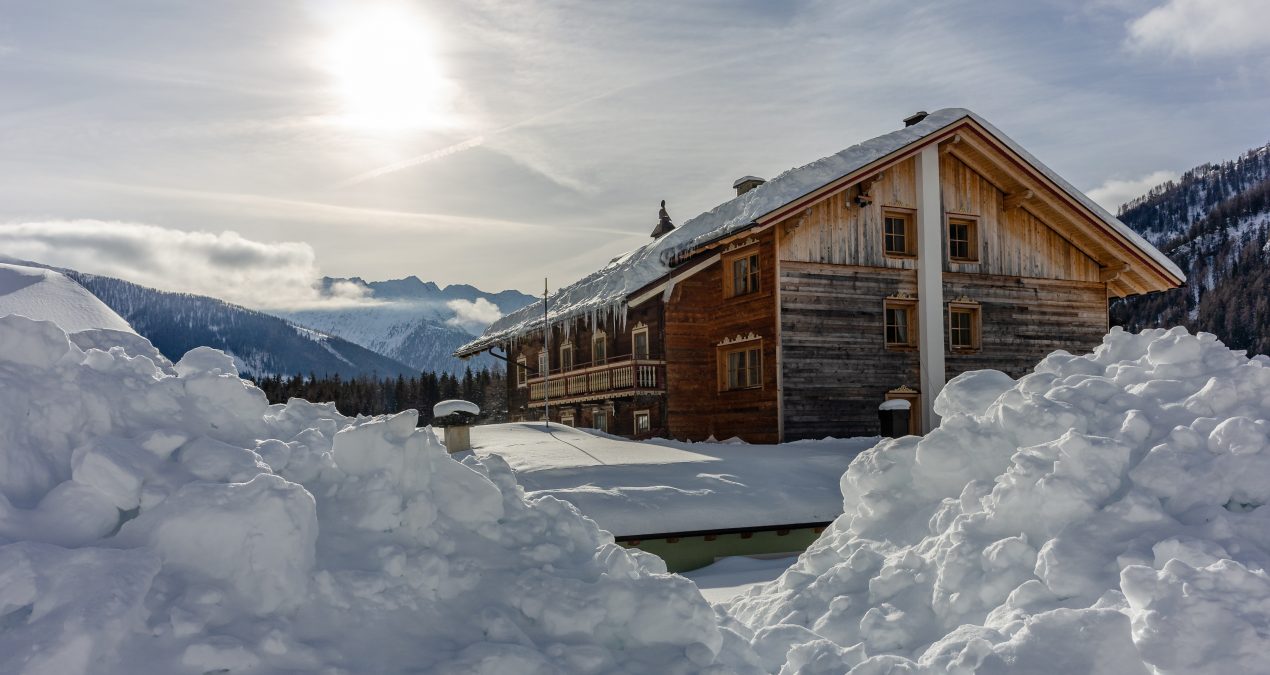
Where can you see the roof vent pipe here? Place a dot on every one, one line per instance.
(744, 184)
(915, 118)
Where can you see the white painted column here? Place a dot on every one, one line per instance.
(930, 282)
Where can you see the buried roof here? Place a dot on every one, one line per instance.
(660, 486)
(607, 289)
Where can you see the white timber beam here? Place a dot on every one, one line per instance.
(930, 283)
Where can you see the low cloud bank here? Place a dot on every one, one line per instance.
(226, 265)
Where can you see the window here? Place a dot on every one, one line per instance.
(522, 368)
(542, 363)
(898, 236)
(600, 420)
(742, 367)
(566, 418)
(599, 348)
(566, 356)
(643, 422)
(963, 327)
(963, 244)
(901, 331)
(639, 343)
(742, 274)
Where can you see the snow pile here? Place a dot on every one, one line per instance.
(1103, 514)
(165, 518)
(48, 295)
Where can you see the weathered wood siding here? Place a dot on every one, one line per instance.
(1025, 319)
(1037, 293)
(580, 333)
(698, 318)
(836, 366)
(1011, 242)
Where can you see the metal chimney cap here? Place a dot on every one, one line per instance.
(915, 118)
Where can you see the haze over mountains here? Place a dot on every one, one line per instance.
(413, 321)
(403, 327)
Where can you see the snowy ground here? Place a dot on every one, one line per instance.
(1105, 514)
(732, 576)
(651, 487)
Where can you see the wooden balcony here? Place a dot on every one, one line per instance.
(617, 378)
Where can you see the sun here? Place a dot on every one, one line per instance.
(386, 72)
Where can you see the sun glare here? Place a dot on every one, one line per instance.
(387, 73)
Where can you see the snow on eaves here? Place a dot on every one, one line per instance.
(603, 293)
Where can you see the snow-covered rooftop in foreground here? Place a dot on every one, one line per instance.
(606, 290)
(657, 487)
(50, 296)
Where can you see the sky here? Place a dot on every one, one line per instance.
(242, 149)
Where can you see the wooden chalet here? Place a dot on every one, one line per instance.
(793, 310)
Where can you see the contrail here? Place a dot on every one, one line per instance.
(480, 140)
(414, 161)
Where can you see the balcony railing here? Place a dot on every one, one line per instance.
(617, 377)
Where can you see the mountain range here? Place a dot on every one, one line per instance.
(1214, 222)
(413, 321)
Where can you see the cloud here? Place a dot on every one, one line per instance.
(224, 265)
(1200, 28)
(1114, 192)
(473, 316)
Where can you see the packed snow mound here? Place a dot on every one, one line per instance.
(1103, 514)
(50, 296)
(159, 518)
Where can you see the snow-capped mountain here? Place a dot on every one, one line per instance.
(416, 322)
(1214, 222)
(261, 344)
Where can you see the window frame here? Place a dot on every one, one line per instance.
(753, 276)
(914, 399)
(566, 347)
(976, 327)
(971, 223)
(567, 419)
(910, 232)
(597, 415)
(648, 347)
(754, 375)
(522, 372)
(601, 338)
(544, 363)
(648, 422)
(909, 307)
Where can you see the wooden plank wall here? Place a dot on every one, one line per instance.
(836, 365)
(698, 317)
(1011, 243)
(580, 334)
(1037, 291)
(1024, 319)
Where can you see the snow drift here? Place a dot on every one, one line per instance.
(1103, 514)
(159, 517)
(49, 295)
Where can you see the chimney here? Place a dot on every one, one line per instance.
(744, 184)
(915, 118)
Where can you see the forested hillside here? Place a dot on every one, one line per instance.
(1214, 222)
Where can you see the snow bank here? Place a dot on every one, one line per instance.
(1102, 514)
(51, 296)
(165, 518)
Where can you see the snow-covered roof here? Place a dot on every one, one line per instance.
(607, 289)
(660, 486)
